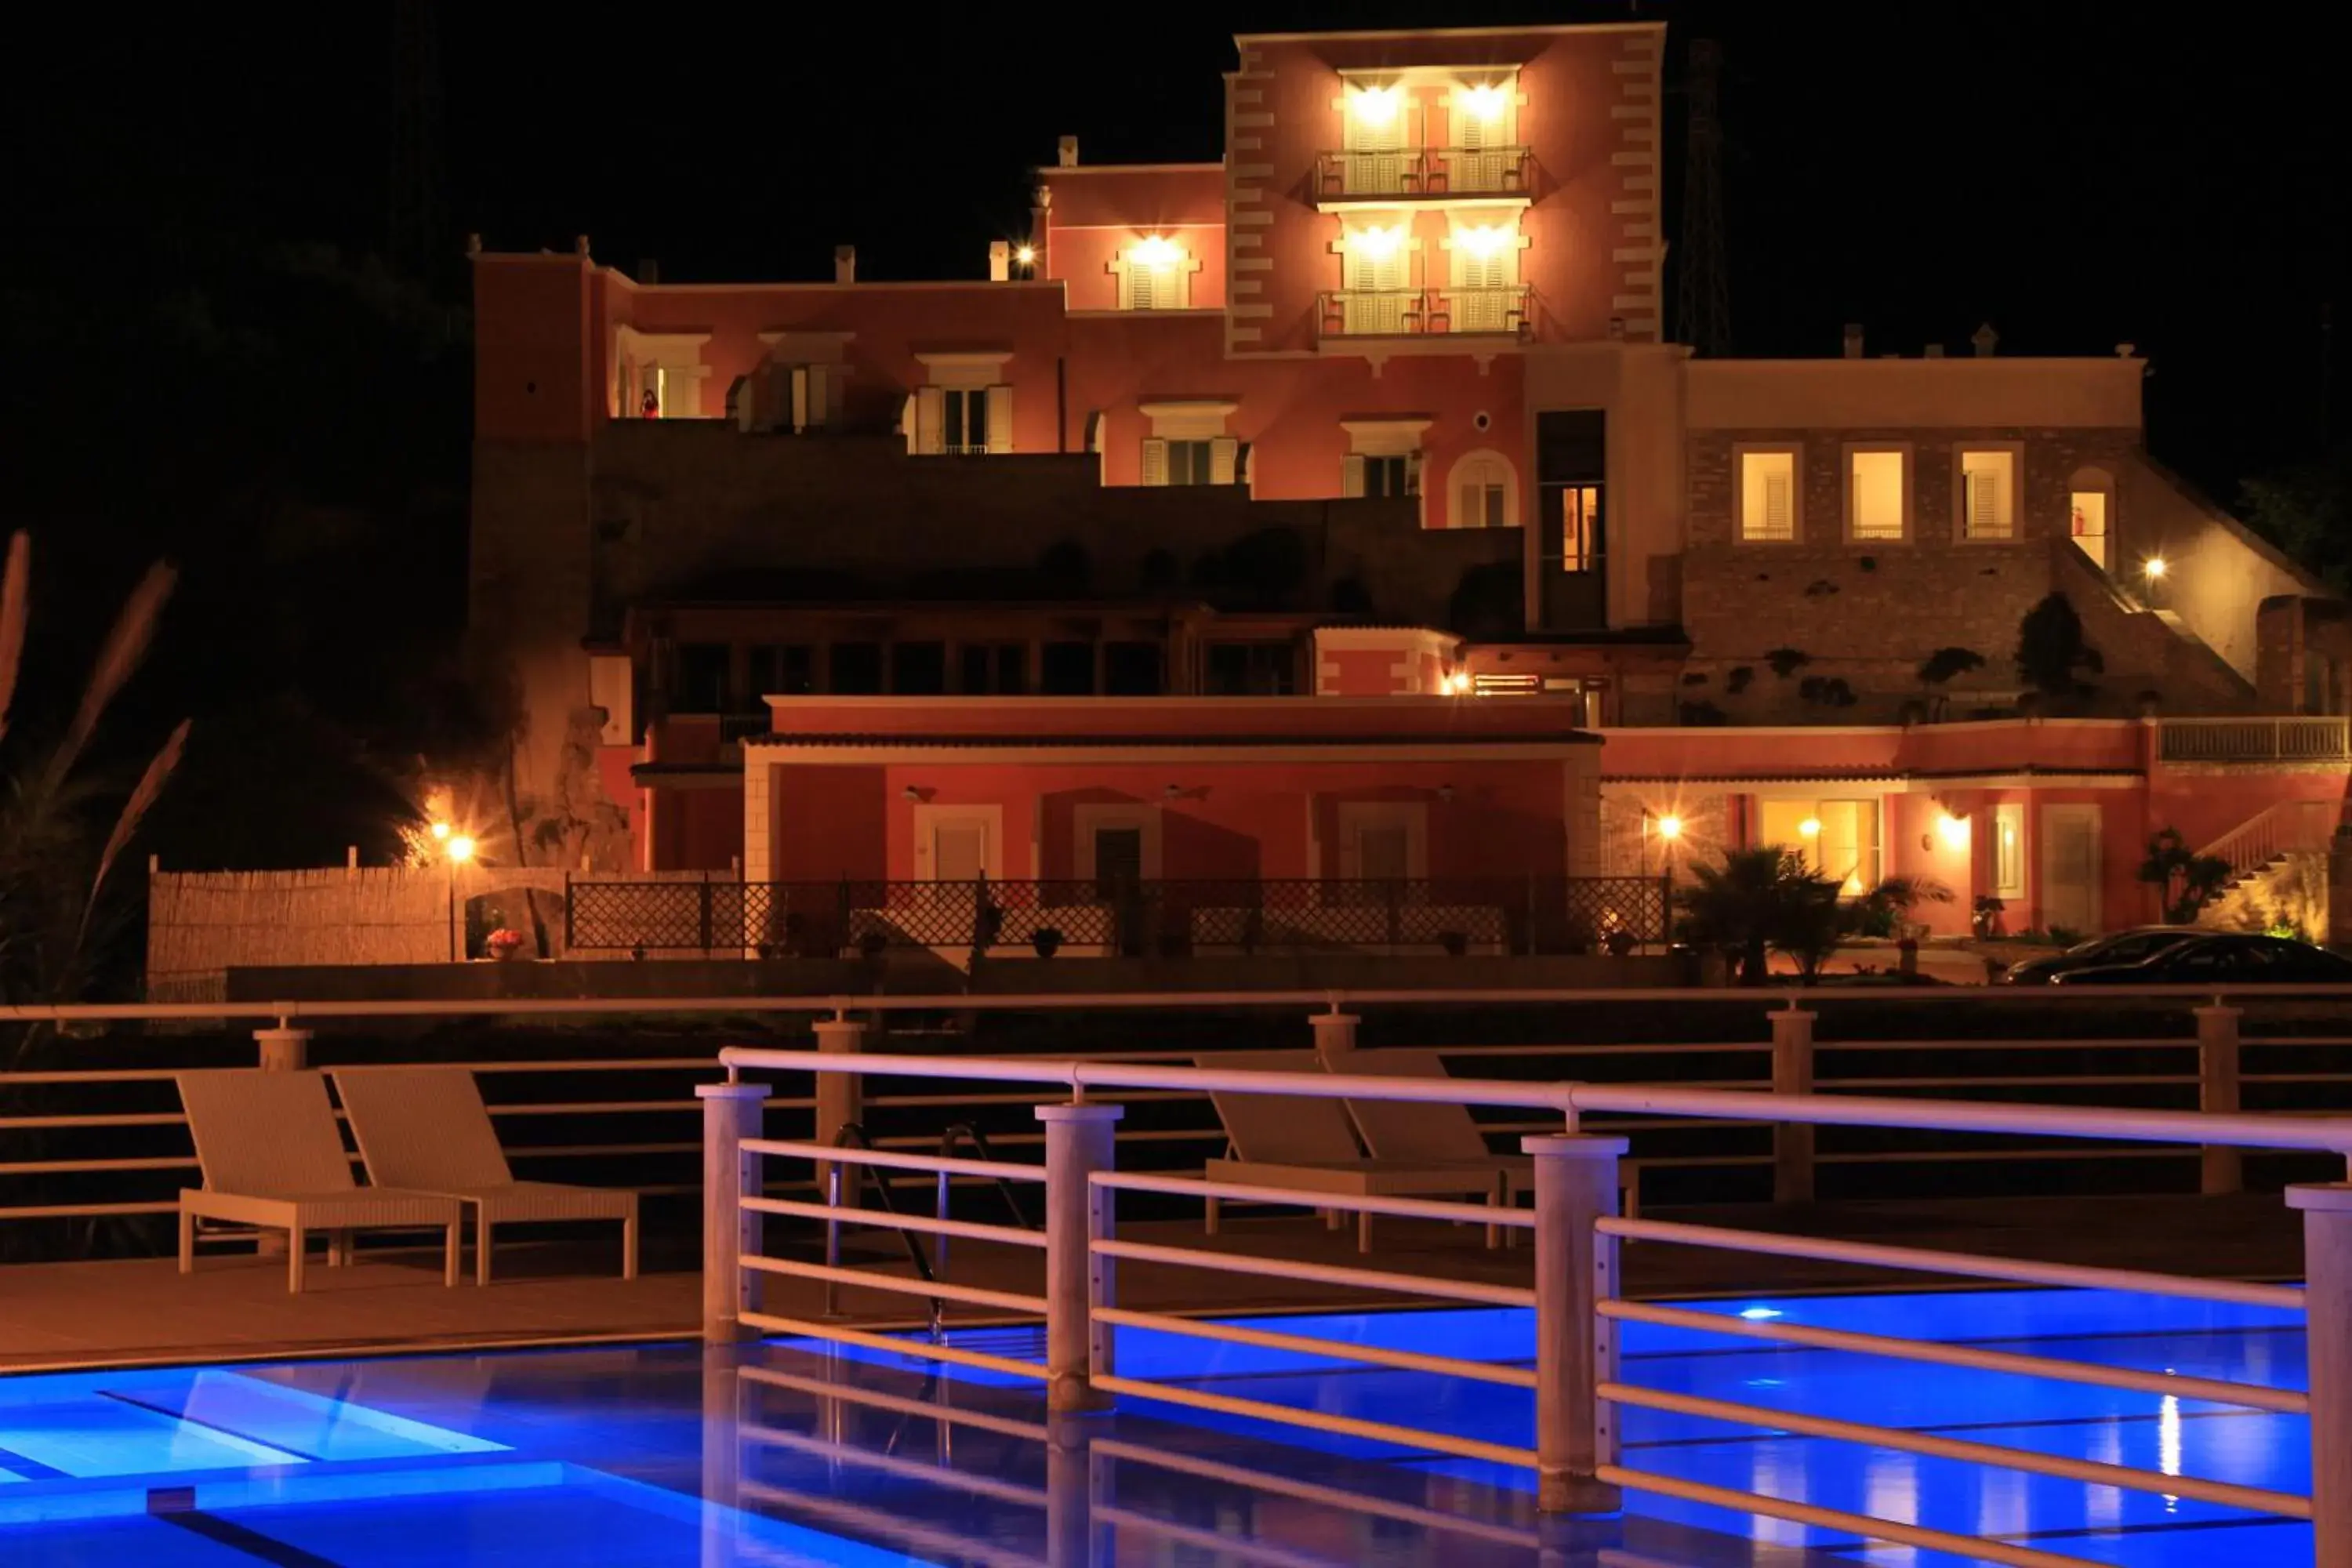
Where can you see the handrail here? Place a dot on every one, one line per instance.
(292, 1013)
(965, 1132)
(2106, 1123)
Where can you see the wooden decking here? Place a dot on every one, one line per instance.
(236, 1305)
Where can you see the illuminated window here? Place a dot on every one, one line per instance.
(1485, 294)
(1768, 494)
(1877, 498)
(2009, 851)
(2090, 505)
(967, 408)
(1579, 528)
(1155, 274)
(1375, 129)
(1836, 838)
(1482, 491)
(1989, 493)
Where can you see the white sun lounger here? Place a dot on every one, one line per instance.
(428, 1129)
(273, 1157)
(1309, 1145)
(1422, 1133)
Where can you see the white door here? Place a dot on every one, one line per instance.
(2070, 868)
(959, 850)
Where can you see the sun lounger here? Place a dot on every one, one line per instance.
(427, 1128)
(273, 1157)
(1422, 1133)
(1309, 1145)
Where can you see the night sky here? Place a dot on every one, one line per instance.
(210, 358)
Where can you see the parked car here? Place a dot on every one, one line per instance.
(2234, 957)
(2099, 952)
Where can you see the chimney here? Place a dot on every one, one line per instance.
(1000, 260)
(579, 245)
(845, 264)
(473, 244)
(2125, 350)
(1985, 341)
(648, 270)
(1935, 350)
(1066, 153)
(1854, 340)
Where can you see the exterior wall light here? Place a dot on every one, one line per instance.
(2154, 567)
(1486, 240)
(460, 850)
(1154, 250)
(1026, 256)
(441, 831)
(1375, 105)
(1810, 828)
(1377, 243)
(1456, 684)
(1484, 102)
(1953, 831)
(1670, 828)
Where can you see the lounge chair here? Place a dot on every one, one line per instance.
(427, 1128)
(1309, 1145)
(1422, 1133)
(273, 1157)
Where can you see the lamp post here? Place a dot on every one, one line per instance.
(456, 849)
(1670, 832)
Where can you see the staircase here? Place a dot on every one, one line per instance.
(2265, 841)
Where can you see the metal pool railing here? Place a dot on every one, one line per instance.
(1573, 1297)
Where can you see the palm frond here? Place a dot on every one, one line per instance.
(142, 799)
(126, 644)
(16, 600)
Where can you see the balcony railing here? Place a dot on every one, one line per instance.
(1422, 173)
(1424, 312)
(1167, 919)
(2307, 740)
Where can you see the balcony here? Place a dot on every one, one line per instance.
(1491, 176)
(1352, 314)
(2260, 741)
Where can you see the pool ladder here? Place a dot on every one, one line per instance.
(853, 1135)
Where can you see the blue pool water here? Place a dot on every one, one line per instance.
(792, 1453)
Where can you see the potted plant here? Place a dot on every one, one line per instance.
(1622, 941)
(1046, 940)
(503, 944)
(1986, 916)
(872, 945)
(1454, 943)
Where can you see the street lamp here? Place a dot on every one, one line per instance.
(456, 848)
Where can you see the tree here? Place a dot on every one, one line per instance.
(1756, 900)
(2306, 509)
(53, 863)
(2051, 655)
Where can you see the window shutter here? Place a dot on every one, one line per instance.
(1412, 473)
(1223, 453)
(1778, 523)
(1094, 431)
(1241, 464)
(931, 419)
(1138, 286)
(681, 395)
(1351, 475)
(1494, 518)
(1155, 461)
(1469, 495)
(1984, 505)
(1000, 419)
(820, 395)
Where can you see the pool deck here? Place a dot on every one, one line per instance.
(236, 1305)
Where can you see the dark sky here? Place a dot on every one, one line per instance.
(2079, 176)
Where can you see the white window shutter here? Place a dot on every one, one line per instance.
(1777, 519)
(1140, 294)
(1155, 461)
(1412, 473)
(820, 395)
(1242, 465)
(681, 394)
(931, 419)
(1224, 452)
(1351, 475)
(1094, 431)
(1000, 419)
(800, 399)
(1984, 505)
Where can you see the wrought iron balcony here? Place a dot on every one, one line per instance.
(1351, 178)
(1349, 314)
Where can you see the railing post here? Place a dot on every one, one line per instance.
(1576, 1348)
(839, 1095)
(281, 1049)
(2217, 1094)
(1335, 1032)
(2327, 1291)
(1078, 1143)
(731, 1114)
(1793, 1073)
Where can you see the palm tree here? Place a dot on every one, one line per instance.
(1758, 899)
(50, 876)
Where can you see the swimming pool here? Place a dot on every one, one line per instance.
(794, 1453)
